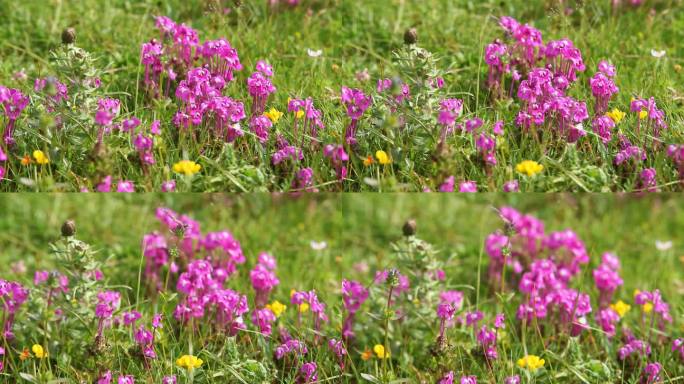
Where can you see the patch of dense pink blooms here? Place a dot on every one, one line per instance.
(542, 265)
(199, 75)
(202, 72)
(539, 267)
(203, 297)
(540, 76)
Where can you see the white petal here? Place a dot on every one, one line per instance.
(657, 54)
(313, 53)
(663, 245)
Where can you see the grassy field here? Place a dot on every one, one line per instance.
(351, 39)
(359, 231)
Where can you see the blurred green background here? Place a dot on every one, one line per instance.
(358, 230)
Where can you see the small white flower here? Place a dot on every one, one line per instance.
(313, 53)
(318, 245)
(657, 54)
(663, 245)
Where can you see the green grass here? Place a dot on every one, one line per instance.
(357, 228)
(353, 38)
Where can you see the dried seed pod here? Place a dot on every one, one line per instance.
(68, 228)
(68, 35)
(409, 228)
(411, 36)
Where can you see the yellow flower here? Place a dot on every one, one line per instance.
(366, 355)
(38, 350)
(531, 362)
(647, 307)
(186, 167)
(26, 160)
(40, 157)
(368, 161)
(616, 115)
(620, 307)
(277, 308)
(189, 362)
(382, 157)
(380, 352)
(274, 115)
(529, 167)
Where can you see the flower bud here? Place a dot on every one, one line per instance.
(68, 36)
(411, 36)
(68, 228)
(393, 278)
(409, 228)
(179, 231)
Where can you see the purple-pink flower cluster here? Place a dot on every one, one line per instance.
(201, 288)
(545, 103)
(544, 282)
(338, 159)
(12, 296)
(676, 153)
(603, 87)
(310, 117)
(13, 103)
(607, 278)
(354, 294)
(648, 110)
(660, 308)
(290, 347)
(356, 103)
(263, 278)
(260, 87)
(634, 347)
(316, 306)
(203, 104)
